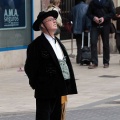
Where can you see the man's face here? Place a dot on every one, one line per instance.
(50, 23)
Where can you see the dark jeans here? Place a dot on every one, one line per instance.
(104, 32)
(78, 38)
(48, 109)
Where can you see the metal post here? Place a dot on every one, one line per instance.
(41, 5)
(72, 55)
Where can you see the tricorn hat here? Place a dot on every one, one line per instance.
(41, 16)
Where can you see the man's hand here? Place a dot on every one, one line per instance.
(96, 19)
(101, 20)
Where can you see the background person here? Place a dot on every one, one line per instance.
(81, 23)
(54, 5)
(48, 68)
(117, 34)
(100, 12)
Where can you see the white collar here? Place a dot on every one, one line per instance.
(56, 47)
(49, 38)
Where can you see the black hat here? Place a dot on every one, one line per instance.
(41, 16)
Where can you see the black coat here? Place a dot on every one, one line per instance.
(43, 70)
(107, 11)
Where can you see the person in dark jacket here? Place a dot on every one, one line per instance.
(81, 23)
(100, 12)
(48, 68)
(117, 34)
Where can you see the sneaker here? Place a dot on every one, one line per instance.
(106, 65)
(92, 66)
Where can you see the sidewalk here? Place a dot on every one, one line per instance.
(93, 85)
(96, 87)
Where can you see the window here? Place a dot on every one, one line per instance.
(15, 23)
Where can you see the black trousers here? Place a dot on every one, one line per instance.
(48, 109)
(104, 32)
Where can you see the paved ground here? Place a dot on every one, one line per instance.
(98, 95)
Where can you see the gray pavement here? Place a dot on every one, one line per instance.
(98, 95)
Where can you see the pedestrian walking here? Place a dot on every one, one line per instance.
(81, 23)
(100, 12)
(48, 68)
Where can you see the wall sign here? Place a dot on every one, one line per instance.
(12, 14)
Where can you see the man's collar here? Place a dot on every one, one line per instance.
(49, 38)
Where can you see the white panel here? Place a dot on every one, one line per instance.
(37, 9)
(118, 2)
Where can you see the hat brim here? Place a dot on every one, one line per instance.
(36, 24)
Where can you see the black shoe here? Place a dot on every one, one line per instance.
(93, 66)
(106, 65)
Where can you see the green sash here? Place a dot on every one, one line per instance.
(64, 68)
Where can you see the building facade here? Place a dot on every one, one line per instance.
(16, 18)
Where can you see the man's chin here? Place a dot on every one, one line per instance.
(55, 29)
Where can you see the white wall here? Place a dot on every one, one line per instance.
(37, 9)
(14, 58)
(118, 2)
